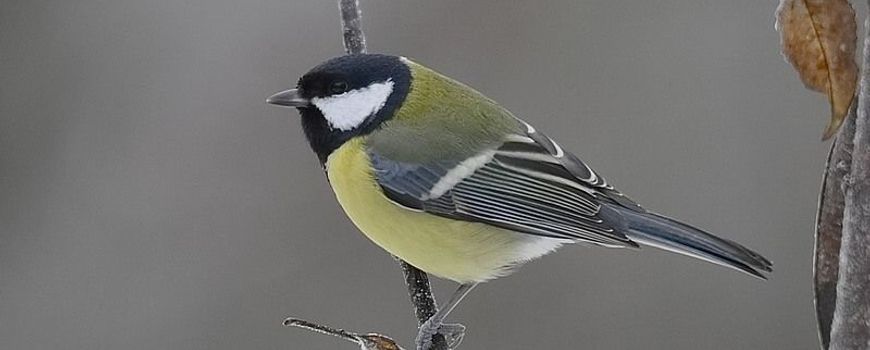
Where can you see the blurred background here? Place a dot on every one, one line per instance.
(150, 199)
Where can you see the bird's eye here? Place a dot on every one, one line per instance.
(338, 87)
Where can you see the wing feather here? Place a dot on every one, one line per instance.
(522, 184)
(527, 183)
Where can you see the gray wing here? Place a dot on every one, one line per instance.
(526, 184)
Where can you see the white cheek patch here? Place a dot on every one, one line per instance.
(350, 109)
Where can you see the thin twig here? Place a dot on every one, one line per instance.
(849, 329)
(319, 328)
(354, 38)
(419, 289)
(368, 341)
(425, 306)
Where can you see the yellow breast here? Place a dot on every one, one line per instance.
(457, 250)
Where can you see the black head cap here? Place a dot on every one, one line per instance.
(346, 74)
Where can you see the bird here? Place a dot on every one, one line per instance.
(448, 180)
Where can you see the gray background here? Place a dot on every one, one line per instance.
(150, 199)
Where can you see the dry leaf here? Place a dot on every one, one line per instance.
(819, 38)
(375, 341)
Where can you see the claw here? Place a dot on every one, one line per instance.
(424, 335)
(452, 332)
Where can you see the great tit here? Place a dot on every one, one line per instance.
(448, 180)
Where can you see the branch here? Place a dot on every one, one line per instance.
(849, 329)
(829, 226)
(351, 27)
(367, 341)
(417, 281)
(421, 297)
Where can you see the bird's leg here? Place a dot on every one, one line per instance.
(452, 332)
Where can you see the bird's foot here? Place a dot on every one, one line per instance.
(452, 332)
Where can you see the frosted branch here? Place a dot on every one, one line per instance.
(419, 289)
(850, 328)
(829, 226)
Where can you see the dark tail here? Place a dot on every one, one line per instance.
(662, 232)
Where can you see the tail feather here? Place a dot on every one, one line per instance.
(665, 233)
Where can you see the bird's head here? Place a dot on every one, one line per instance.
(347, 96)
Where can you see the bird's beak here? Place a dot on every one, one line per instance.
(289, 98)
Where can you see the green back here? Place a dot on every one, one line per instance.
(441, 119)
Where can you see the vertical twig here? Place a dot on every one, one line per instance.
(424, 302)
(419, 291)
(417, 281)
(351, 27)
(829, 226)
(850, 328)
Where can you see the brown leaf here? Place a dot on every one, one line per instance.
(375, 341)
(819, 39)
